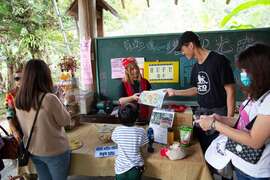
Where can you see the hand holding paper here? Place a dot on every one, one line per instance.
(170, 92)
(152, 98)
(136, 96)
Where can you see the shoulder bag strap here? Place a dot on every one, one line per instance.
(31, 132)
(3, 129)
(250, 124)
(240, 112)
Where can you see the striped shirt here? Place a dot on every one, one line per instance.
(129, 140)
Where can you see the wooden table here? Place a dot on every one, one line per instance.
(83, 162)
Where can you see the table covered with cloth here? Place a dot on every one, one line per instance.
(83, 161)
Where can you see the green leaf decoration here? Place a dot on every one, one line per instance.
(242, 26)
(242, 7)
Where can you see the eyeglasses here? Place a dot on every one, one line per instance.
(17, 78)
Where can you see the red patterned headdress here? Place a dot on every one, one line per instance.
(127, 61)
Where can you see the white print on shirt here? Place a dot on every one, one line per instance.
(203, 83)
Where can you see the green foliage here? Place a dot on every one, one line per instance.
(242, 26)
(24, 22)
(242, 7)
(4, 9)
(131, 10)
(30, 29)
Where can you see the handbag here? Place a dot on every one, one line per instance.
(24, 154)
(245, 152)
(10, 148)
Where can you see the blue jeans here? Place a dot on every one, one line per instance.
(52, 167)
(242, 176)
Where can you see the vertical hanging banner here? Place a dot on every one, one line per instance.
(86, 68)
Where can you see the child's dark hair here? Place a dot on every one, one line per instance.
(128, 114)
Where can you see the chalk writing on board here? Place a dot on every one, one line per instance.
(205, 43)
(155, 47)
(167, 47)
(171, 46)
(223, 45)
(150, 45)
(131, 45)
(243, 43)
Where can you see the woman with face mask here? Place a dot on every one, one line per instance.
(131, 87)
(253, 127)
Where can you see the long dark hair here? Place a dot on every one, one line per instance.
(256, 61)
(36, 80)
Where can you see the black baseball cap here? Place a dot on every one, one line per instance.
(187, 37)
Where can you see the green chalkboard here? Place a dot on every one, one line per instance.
(161, 47)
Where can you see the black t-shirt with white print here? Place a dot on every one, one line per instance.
(210, 78)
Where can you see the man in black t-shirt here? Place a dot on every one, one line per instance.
(213, 78)
(212, 81)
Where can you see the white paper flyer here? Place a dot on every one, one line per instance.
(152, 98)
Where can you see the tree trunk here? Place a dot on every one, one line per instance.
(10, 75)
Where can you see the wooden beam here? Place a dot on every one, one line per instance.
(108, 7)
(148, 3)
(123, 4)
(73, 9)
(100, 31)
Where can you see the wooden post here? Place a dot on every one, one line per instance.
(100, 32)
(123, 4)
(87, 18)
(148, 3)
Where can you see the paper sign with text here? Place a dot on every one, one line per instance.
(105, 151)
(118, 71)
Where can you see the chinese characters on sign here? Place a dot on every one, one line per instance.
(118, 71)
(162, 72)
(105, 151)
